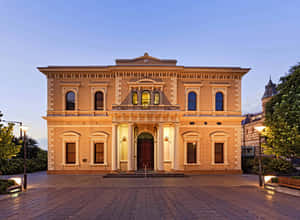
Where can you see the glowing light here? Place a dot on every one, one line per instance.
(14, 195)
(17, 180)
(24, 128)
(268, 178)
(260, 128)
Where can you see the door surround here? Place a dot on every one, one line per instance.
(152, 133)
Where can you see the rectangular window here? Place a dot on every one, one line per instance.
(219, 152)
(191, 152)
(99, 153)
(70, 153)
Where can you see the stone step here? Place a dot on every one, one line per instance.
(143, 175)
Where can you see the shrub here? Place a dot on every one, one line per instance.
(16, 165)
(280, 166)
(274, 180)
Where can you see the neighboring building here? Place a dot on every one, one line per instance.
(144, 112)
(250, 137)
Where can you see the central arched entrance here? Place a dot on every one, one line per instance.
(145, 151)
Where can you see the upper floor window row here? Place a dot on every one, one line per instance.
(192, 101)
(146, 98)
(98, 101)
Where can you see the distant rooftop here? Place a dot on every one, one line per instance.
(146, 60)
(270, 89)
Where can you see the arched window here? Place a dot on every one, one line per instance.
(99, 102)
(156, 98)
(134, 98)
(70, 101)
(146, 98)
(219, 101)
(192, 101)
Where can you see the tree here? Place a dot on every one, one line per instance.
(32, 147)
(8, 148)
(283, 117)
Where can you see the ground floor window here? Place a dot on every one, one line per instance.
(99, 153)
(71, 153)
(219, 152)
(191, 153)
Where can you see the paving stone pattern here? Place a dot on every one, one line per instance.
(195, 197)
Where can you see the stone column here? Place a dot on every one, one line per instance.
(130, 147)
(114, 147)
(175, 164)
(160, 146)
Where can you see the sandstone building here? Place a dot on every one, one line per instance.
(144, 113)
(250, 137)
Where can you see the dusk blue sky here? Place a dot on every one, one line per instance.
(262, 35)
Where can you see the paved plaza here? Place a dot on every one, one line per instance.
(194, 197)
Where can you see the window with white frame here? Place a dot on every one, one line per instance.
(98, 96)
(70, 95)
(98, 148)
(219, 97)
(192, 96)
(219, 142)
(70, 148)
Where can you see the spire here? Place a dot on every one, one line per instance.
(270, 89)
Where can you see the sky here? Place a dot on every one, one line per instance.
(262, 35)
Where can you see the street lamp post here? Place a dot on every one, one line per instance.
(25, 157)
(260, 173)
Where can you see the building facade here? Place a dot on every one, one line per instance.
(144, 113)
(250, 137)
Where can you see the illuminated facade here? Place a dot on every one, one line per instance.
(144, 113)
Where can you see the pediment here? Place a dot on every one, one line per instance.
(146, 60)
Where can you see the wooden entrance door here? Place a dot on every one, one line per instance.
(145, 154)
